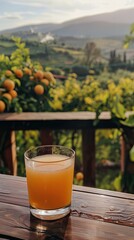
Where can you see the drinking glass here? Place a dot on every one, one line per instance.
(49, 173)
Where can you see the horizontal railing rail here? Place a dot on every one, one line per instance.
(55, 120)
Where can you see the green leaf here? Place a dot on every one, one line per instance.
(17, 81)
(2, 57)
(129, 121)
(132, 154)
(117, 183)
(119, 110)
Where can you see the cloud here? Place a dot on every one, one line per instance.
(58, 4)
(16, 15)
(75, 4)
(28, 3)
(11, 15)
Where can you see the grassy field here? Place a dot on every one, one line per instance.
(63, 49)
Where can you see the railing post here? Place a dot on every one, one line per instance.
(128, 171)
(88, 150)
(46, 136)
(9, 151)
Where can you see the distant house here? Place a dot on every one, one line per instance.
(48, 37)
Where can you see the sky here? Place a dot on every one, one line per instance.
(15, 13)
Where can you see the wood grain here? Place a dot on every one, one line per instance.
(16, 222)
(95, 214)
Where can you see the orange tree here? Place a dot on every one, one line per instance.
(24, 85)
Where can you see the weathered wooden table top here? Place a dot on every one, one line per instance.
(95, 214)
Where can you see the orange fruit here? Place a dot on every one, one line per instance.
(27, 71)
(38, 75)
(49, 76)
(18, 73)
(45, 81)
(79, 176)
(8, 96)
(39, 89)
(2, 106)
(31, 78)
(8, 73)
(13, 93)
(9, 84)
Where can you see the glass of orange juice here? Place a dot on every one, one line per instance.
(49, 172)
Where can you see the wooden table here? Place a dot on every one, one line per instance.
(95, 214)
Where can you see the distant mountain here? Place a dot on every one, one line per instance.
(113, 24)
(93, 30)
(120, 16)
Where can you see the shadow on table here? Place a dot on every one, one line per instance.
(49, 230)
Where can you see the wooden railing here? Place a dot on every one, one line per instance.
(46, 122)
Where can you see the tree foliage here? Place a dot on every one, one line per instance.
(31, 82)
(91, 53)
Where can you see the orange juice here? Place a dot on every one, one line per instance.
(49, 179)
